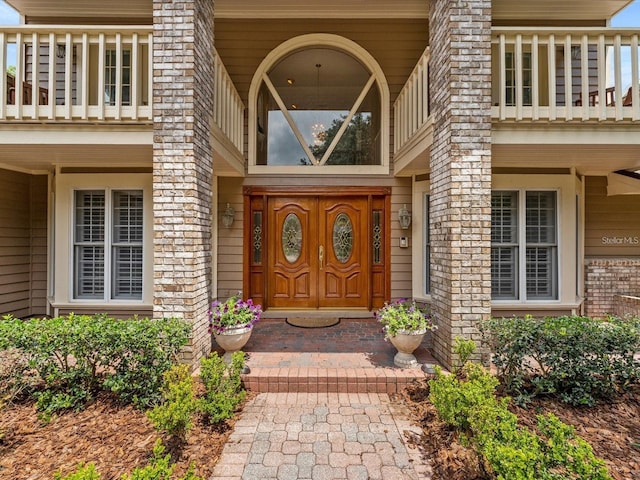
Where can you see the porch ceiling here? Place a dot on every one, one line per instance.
(502, 9)
(554, 9)
(84, 8)
(44, 158)
(586, 159)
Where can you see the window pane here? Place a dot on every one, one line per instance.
(504, 217)
(541, 217)
(318, 87)
(342, 237)
(504, 273)
(110, 74)
(127, 217)
(127, 272)
(282, 146)
(377, 237)
(127, 244)
(89, 272)
(541, 273)
(504, 251)
(257, 238)
(89, 244)
(292, 238)
(541, 252)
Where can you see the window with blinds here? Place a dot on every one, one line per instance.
(127, 245)
(108, 230)
(504, 245)
(542, 246)
(524, 232)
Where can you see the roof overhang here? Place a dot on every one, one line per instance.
(623, 182)
(502, 9)
(557, 9)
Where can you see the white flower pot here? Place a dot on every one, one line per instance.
(233, 339)
(406, 342)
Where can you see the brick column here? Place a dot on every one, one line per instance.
(183, 164)
(460, 89)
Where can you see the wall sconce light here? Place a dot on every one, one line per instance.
(404, 217)
(228, 216)
(60, 50)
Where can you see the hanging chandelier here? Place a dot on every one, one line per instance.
(317, 129)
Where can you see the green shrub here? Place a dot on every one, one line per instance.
(468, 403)
(174, 414)
(159, 468)
(577, 358)
(223, 386)
(464, 349)
(75, 356)
(455, 399)
(83, 472)
(567, 452)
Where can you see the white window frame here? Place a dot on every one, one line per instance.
(108, 244)
(329, 41)
(521, 248)
(66, 185)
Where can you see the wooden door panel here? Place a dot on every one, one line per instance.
(293, 245)
(353, 285)
(343, 273)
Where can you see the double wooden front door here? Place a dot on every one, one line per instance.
(317, 251)
(318, 256)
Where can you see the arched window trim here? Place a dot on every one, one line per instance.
(339, 43)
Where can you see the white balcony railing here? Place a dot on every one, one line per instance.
(228, 112)
(565, 74)
(75, 73)
(411, 108)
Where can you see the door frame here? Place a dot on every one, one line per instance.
(254, 277)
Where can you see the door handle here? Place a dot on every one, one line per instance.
(321, 256)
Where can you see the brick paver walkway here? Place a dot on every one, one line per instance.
(321, 436)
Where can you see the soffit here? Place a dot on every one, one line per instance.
(502, 9)
(554, 9)
(84, 8)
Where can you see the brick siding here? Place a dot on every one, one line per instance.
(183, 164)
(460, 89)
(606, 280)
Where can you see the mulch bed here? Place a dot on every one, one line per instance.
(612, 428)
(116, 438)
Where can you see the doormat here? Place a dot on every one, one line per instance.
(313, 322)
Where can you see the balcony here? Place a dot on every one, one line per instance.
(74, 73)
(547, 75)
(70, 76)
(541, 76)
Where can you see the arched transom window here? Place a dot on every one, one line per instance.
(319, 105)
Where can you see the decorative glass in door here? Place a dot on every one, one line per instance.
(292, 238)
(342, 237)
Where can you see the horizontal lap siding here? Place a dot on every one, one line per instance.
(230, 240)
(15, 252)
(39, 200)
(401, 265)
(615, 216)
